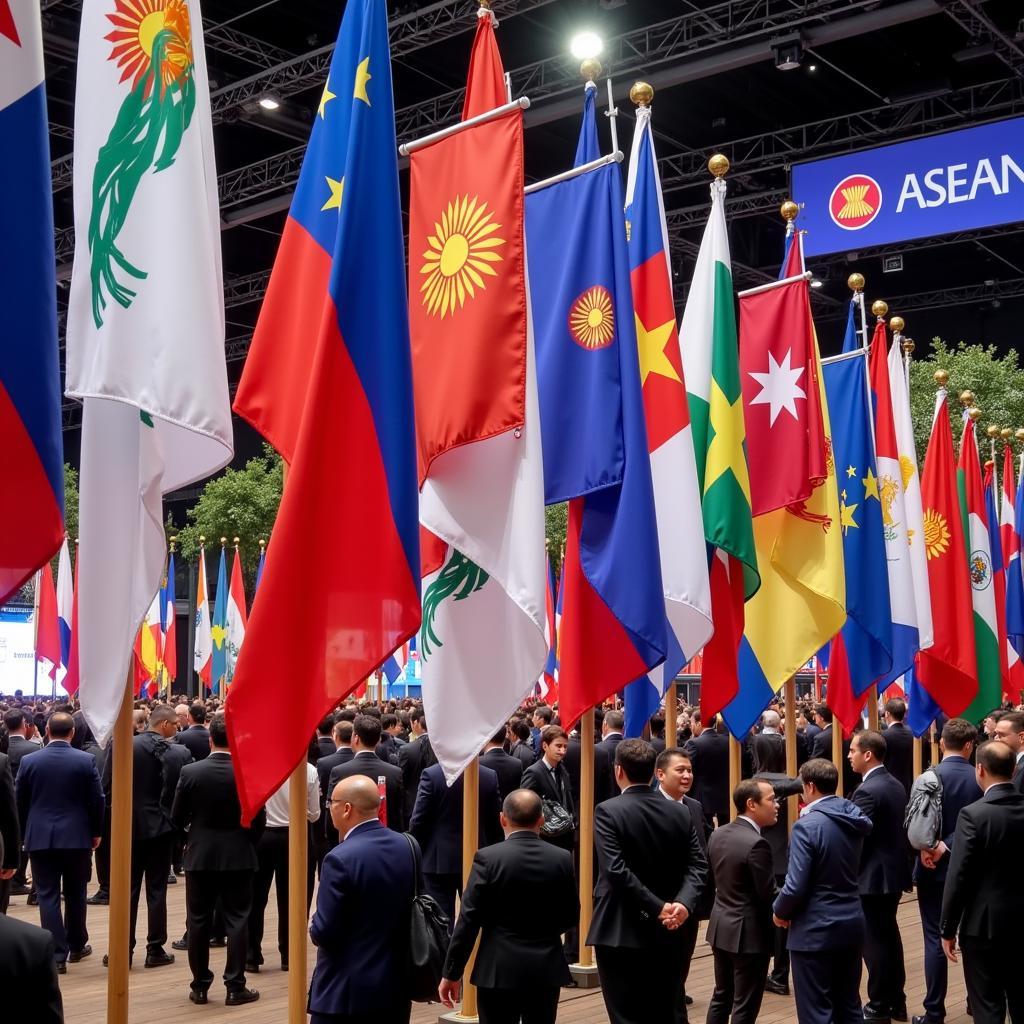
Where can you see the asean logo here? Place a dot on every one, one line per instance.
(855, 202)
(592, 319)
(981, 570)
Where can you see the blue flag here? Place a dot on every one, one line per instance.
(219, 630)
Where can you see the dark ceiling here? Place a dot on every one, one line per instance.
(873, 72)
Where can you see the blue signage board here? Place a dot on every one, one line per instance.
(956, 181)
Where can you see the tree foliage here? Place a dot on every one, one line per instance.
(556, 518)
(997, 382)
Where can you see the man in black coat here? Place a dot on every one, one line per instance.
(28, 974)
(899, 743)
(1009, 729)
(196, 737)
(983, 900)
(643, 897)
(520, 744)
(365, 737)
(324, 737)
(509, 769)
(821, 744)
(416, 756)
(436, 824)
(884, 874)
(327, 836)
(519, 967)
(604, 755)
(18, 726)
(709, 755)
(10, 833)
(740, 932)
(220, 861)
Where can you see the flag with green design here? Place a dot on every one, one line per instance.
(145, 329)
(707, 336)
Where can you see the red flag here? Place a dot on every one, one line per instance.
(47, 632)
(485, 84)
(947, 669)
(71, 680)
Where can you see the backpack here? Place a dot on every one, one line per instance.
(428, 936)
(923, 820)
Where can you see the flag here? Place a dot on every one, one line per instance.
(947, 671)
(979, 560)
(236, 616)
(65, 602)
(991, 485)
(707, 337)
(395, 664)
(684, 567)
(1010, 544)
(613, 628)
(547, 681)
(148, 650)
(170, 630)
(329, 376)
(259, 570)
(145, 346)
(47, 629)
(31, 527)
(202, 657)
(800, 546)
(219, 630)
(477, 423)
(71, 680)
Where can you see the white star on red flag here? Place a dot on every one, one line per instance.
(779, 388)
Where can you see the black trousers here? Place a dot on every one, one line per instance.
(151, 860)
(201, 891)
(883, 954)
(936, 967)
(739, 987)
(827, 986)
(103, 855)
(5, 894)
(689, 933)
(993, 986)
(780, 960)
(640, 986)
(67, 872)
(272, 853)
(443, 888)
(517, 1005)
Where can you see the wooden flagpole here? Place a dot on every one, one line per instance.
(735, 773)
(918, 756)
(298, 866)
(935, 745)
(791, 767)
(120, 858)
(586, 953)
(671, 716)
(873, 707)
(837, 751)
(470, 841)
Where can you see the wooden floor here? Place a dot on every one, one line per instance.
(162, 995)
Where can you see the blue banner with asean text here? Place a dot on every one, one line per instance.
(956, 181)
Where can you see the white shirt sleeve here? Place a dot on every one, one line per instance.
(312, 793)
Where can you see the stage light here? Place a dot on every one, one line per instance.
(586, 45)
(815, 283)
(812, 67)
(269, 102)
(789, 52)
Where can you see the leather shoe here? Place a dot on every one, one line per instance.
(284, 963)
(179, 944)
(923, 1019)
(240, 996)
(688, 1000)
(106, 961)
(19, 890)
(251, 967)
(198, 996)
(158, 959)
(776, 987)
(62, 968)
(101, 899)
(33, 899)
(870, 1017)
(75, 955)
(899, 1013)
(172, 879)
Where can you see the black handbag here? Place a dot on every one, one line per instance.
(428, 937)
(557, 820)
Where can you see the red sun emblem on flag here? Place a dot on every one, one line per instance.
(592, 318)
(855, 202)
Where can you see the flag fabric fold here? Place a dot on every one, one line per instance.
(32, 526)
(65, 602)
(219, 630)
(71, 680)
(235, 618)
(202, 658)
(169, 623)
(47, 627)
(547, 681)
(991, 485)
(482, 643)
(329, 366)
(1009, 533)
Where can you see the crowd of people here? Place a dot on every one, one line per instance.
(795, 905)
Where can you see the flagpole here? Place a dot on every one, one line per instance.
(918, 756)
(470, 841)
(120, 857)
(584, 971)
(805, 276)
(222, 683)
(837, 751)
(408, 148)
(794, 801)
(35, 637)
(671, 716)
(735, 772)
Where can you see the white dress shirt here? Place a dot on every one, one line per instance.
(277, 805)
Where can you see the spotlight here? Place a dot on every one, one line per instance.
(815, 283)
(586, 45)
(789, 52)
(812, 67)
(269, 102)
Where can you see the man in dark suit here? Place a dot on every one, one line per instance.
(820, 900)
(821, 745)
(343, 753)
(509, 769)
(365, 737)
(18, 726)
(28, 974)
(10, 833)
(519, 967)
(709, 755)
(740, 932)
(611, 736)
(389, 746)
(60, 800)
(884, 874)
(436, 824)
(324, 737)
(899, 743)
(196, 737)
(643, 897)
(1009, 729)
(520, 745)
(220, 862)
(361, 922)
(414, 757)
(983, 900)
(959, 788)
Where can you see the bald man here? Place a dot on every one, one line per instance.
(361, 923)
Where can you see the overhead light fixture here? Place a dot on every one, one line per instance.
(789, 52)
(586, 45)
(815, 283)
(976, 51)
(812, 67)
(269, 102)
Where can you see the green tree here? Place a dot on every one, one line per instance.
(70, 504)
(240, 503)
(556, 519)
(997, 382)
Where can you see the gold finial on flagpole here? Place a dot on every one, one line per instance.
(941, 377)
(202, 539)
(789, 211)
(967, 399)
(974, 414)
(1006, 434)
(590, 68)
(172, 541)
(896, 324)
(223, 541)
(718, 165)
(855, 282)
(641, 94)
(263, 544)
(234, 540)
(992, 431)
(1019, 434)
(879, 308)
(908, 346)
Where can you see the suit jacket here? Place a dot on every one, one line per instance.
(10, 830)
(206, 806)
(632, 832)
(899, 754)
(153, 784)
(777, 835)
(509, 770)
(17, 748)
(361, 925)
(605, 786)
(959, 788)
(60, 799)
(197, 739)
(387, 749)
(709, 755)
(707, 898)
(884, 862)
(821, 744)
(325, 826)
(524, 752)
(518, 949)
(175, 758)
(821, 895)
(436, 820)
(413, 758)
(982, 897)
(325, 746)
(741, 865)
(367, 763)
(1018, 775)
(28, 973)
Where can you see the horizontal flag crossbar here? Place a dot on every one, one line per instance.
(408, 148)
(805, 276)
(574, 172)
(845, 355)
